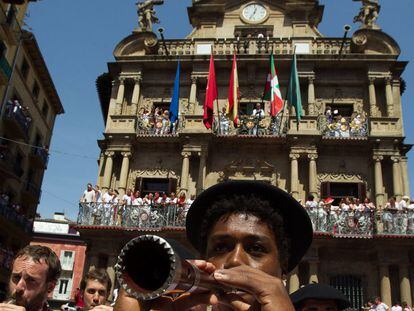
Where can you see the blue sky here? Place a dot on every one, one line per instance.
(77, 39)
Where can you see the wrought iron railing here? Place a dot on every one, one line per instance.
(252, 125)
(343, 127)
(398, 222)
(15, 112)
(9, 212)
(157, 126)
(342, 223)
(132, 216)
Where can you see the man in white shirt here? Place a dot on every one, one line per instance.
(88, 195)
(127, 197)
(258, 114)
(396, 307)
(380, 306)
(85, 208)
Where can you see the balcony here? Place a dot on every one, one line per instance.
(32, 193)
(353, 128)
(5, 71)
(132, 216)
(39, 157)
(254, 46)
(17, 121)
(397, 222)
(252, 126)
(10, 214)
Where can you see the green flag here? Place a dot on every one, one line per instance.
(294, 98)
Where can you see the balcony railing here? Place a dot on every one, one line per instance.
(252, 126)
(157, 126)
(132, 216)
(41, 155)
(343, 127)
(8, 211)
(254, 46)
(14, 111)
(342, 223)
(398, 222)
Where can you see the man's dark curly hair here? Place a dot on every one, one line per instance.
(248, 205)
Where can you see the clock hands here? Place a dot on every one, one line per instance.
(254, 12)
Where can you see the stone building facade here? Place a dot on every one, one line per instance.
(29, 104)
(358, 78)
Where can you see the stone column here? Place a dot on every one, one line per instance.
(313, 272)
(379, 184)
(311, 95)
(396, 177)
(193, 90)
(385, 287)
(372, 97)
(108, 170)
(313, 175)
(185, 170)
(294, 281)
(123, 179)
(136, 94)
(111, 272)
(404, 174)
(202, 171)
(101, 167)
(121, 91)
(389, 97)
(405, 285)
(294, 175)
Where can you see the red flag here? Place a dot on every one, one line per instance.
(211, 96)
(234, 94)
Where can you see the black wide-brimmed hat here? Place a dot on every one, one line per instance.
(298, 226)
(319, 292)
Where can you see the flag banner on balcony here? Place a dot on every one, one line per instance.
(175, 100)
(234, 94)
(211, 95)
(294, 98)
(272, 91)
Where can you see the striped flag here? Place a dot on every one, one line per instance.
(272, 90)
(234, 94)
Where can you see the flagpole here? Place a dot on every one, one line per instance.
(286, 94)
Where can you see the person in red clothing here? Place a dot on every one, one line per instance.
(79, 299)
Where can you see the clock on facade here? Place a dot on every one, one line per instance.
(254, 13)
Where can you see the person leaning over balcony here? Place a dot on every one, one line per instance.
(410, 217)
(96, 287)
(380, 306)
(35, 272)
(136, 199)
(251, 235)
(406, 307)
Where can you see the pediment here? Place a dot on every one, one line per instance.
(136, 44)
(372, 41)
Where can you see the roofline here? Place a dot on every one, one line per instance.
(32, 48)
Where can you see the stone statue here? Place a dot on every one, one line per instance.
(368, 13)
(146, 14)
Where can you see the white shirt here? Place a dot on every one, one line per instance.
(138, 201)
(127, 199)
(98, 195)
(189, 202)
(88, 196)
(107, 198)
(382, 307)
(410, 207)
(395, 308)
(258, 113)
(311, 204)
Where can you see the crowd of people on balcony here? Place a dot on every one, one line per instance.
(333, 124)
(14, 212)
(156, 122)
(132, 209)
(253, 124)
(398, 217)
(349, 216)
(18, 111)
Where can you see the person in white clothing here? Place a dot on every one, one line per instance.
(406, 307)
(88, 195)
(127, 197)
(85, 208)
(311, 207)
(380, 306)
(137, 200)
(396, 307)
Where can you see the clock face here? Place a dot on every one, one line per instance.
(254, 13)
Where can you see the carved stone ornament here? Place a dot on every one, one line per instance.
(342, 177)
(150, 173)
(368, 14)
(146, 14)
(250, 169)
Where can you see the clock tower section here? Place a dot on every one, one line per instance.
(255, 18)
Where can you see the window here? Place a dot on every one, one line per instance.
(246, 109)
(63, 286)
(3, 49)
(343, 110)
(152, 185)
(162, 106)
(337, 190)
(351, 287)
(45, 109)
(35, 90)
(24, 69)
(67, 259)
